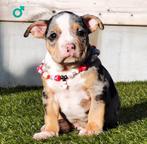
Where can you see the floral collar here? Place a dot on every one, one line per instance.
(43, 70)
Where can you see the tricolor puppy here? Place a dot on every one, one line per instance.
(78, 91)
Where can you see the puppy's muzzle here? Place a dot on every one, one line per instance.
(70, 50)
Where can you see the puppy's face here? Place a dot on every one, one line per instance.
(66, 36)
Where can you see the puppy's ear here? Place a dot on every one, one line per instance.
(37, 29)
(92, 22)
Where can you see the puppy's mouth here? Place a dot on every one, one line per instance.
(74, 59)
(70, 59)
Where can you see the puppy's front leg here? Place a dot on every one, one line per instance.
(95, 118)
(95, 88)
(51, 127)
(51, 116)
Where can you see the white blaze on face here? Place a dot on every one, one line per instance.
(64, 23)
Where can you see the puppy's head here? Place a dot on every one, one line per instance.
(66, 35)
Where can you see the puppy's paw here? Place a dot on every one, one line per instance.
(42, 128)
(91, 129)
(44, 135)
(85, 132)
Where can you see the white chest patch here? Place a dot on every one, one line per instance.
(69, 98)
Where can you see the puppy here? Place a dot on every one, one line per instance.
(78, 91)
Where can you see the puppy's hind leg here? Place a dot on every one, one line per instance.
(112, 112)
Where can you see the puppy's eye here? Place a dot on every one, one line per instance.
(52, 36)
(81, 32)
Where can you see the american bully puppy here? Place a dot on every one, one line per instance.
(78, 90)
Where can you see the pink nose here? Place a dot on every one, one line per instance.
(70, 47)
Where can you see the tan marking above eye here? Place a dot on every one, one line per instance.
(75, 27)
(55, 29)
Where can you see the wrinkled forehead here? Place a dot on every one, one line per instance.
(64, 21)
(68, 18)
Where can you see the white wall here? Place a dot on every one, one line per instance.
(123, 53)
(120, 12)
(19, 56)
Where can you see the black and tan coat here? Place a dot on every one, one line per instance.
(90, 101)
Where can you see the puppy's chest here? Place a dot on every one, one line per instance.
(70, 96)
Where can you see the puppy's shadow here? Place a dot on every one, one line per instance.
(134, 113)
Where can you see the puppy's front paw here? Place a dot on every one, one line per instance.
(44, 135)
(42, 128)
(89, 132)
(91, 129)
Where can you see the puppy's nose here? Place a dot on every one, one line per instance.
(70, 47)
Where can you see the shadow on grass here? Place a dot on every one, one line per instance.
(7, 91)
(134, 113)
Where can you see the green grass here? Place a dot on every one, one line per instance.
(21, 115)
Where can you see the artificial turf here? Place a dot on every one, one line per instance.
(21, 115)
